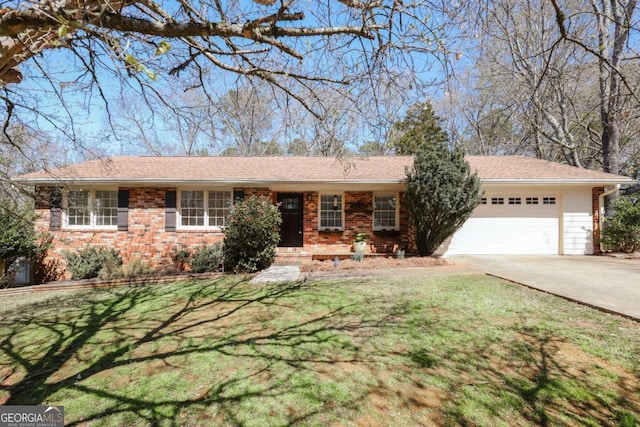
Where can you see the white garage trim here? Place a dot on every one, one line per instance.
(518, 221)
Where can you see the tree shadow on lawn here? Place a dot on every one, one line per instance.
(119, 325)
(538, 376)
(284, 343)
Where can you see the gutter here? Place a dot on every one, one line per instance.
(552, 182)
(606, 193)
(181, 181)
(328, 181)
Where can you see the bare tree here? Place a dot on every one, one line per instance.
(22, 154)
(189, 127)
(615, 25)
(246, 120)
(295, 46)
(566, 94)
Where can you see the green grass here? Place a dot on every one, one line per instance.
(468, 350)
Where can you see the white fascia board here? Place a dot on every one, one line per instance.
(176, 182)
(173, 183)
(558, 182)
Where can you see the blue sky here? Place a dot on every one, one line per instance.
(80, 113)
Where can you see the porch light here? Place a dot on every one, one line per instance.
(335, 202)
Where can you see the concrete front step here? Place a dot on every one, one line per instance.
(291, 256)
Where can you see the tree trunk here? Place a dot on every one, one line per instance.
(611, 145)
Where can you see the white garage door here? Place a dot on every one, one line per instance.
(526, 224)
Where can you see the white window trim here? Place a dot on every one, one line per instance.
(92, 213)
(206, 226)
(341, 209)
(396, 208)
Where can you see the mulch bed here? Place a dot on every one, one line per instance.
(373, 263)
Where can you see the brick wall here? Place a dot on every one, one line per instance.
(146, 238)
(595, 203)
(358, 212)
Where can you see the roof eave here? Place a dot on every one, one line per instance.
(557, 182)
(173, 182)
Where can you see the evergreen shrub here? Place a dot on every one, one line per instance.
(87, 263)
(621, 231)
(252, 232)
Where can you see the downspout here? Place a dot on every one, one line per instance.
(606, 193)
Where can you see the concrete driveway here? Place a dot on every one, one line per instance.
(610, 283)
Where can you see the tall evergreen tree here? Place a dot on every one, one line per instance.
(420, 127)
(441, 194)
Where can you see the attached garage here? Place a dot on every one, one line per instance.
(511, 223)
(542, 208)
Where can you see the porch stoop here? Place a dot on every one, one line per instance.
(294, 256)
(291, 256)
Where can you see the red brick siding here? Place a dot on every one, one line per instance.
(257, 191)
(595, 203)
(147, 239)
(358, 217)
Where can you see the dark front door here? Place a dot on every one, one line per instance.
(291, 229)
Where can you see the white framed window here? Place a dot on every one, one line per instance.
(497, 200)
(548, 200)
(218, 203)
(331, 212)
(385, 211)
(203, 209)
(105, 208)
(91, 209)
(192, 208)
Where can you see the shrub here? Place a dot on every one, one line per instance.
(207, 258)
(181, 258)
(357, 256)
(441, 195)
(136, 268)
(621, 231)
(251, 234)
(111, 269)
(88, 262)
(18, 238)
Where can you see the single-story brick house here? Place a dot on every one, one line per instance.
(148, 206)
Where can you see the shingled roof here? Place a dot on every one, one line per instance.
(237, 170)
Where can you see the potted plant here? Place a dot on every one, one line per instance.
(359, 241)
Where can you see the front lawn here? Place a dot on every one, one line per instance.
(463, 350)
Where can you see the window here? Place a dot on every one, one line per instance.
(515, 201)
(497, 200)
(483, 201)
(219, 204)
(548, 200)
(193, 213)
(532, 200)
(192, 208)
(384, 211)
(106, 207)
(91, 209)
(290, 203)
(330, 211)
